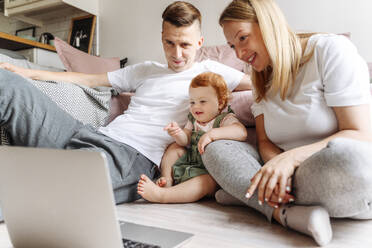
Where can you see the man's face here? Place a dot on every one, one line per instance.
(180, 45)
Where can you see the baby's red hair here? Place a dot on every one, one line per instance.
(216, 81)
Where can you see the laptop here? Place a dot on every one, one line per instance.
(64, 198)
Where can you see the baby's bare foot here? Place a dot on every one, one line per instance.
(164, 182)
(149, 190)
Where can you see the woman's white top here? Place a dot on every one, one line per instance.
(335, 76)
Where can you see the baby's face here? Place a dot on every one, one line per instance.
(204, 104)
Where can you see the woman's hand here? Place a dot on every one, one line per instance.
(288, 198)
(16, 69)
(275, 173)
(204, 140)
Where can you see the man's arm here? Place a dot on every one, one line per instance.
(245, 83)
(90, 80)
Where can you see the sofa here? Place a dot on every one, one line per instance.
(101, 105)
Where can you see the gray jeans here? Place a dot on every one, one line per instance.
(339, 177)
(33, 119)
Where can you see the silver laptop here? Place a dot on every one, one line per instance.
(63, 198)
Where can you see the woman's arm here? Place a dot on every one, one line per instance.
(267, 149)
(353, 122)
(90, 80)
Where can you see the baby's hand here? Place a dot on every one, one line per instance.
(173, 129)
(204, 140)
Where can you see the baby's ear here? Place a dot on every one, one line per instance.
(221, 106)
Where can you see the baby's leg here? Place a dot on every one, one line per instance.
(189, 191)
(173, 152)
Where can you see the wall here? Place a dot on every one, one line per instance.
(336, 16)
(133, 28)
(10, 25)
(90, 6)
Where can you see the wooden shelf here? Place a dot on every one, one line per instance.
(12, 42)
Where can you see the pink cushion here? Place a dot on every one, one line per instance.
(223, 54)
(241, 104)
(78, 61)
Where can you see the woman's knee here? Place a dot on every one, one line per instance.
(338, 177)
(225, 156)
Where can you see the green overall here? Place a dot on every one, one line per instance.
(190, 164)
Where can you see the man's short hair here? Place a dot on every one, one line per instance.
(181, 14)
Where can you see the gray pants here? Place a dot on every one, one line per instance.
(339, 177)
(33, 119)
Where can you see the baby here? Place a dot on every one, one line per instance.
(187, 180)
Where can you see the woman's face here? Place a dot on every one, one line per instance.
(246, 39)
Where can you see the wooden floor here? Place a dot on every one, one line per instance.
(220, 226)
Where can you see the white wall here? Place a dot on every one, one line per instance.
(132, 28)
(335, 16)
(90, 6)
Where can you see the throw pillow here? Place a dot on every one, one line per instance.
(78, 61)
(223, 54)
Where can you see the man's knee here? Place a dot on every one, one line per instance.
(10, 81)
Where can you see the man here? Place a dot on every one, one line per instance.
(135, 141)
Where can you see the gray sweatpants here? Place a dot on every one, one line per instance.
(33, 119)
(339, 177)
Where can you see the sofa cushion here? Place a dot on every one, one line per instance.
(223, 54)
(78, 61)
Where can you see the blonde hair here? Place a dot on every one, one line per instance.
(217, 82)
(282, 44)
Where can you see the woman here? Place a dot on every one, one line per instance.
(312, 102)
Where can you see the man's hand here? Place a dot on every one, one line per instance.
(16, 69)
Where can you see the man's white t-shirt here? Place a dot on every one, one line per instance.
(161, 96)
(335, 76)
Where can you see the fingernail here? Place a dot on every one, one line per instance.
(247, 195)
(291, 200)
(288, 188)
(280, 200)
(260, 202)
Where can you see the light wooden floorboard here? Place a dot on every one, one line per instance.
(224, 227)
